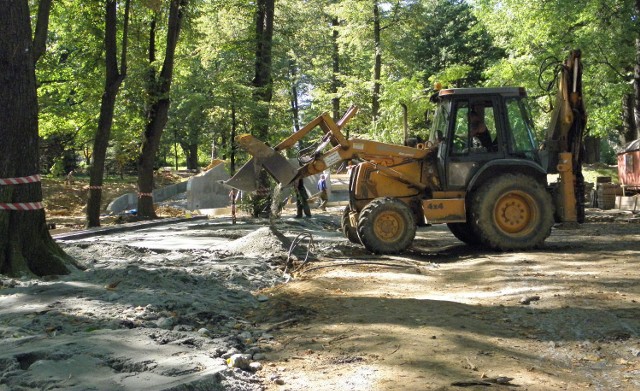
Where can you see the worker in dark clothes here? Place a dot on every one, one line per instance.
(301, 199)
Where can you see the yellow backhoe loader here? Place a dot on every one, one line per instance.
(481, 172)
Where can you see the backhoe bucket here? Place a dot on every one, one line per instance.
(263, 157)
(245, 179)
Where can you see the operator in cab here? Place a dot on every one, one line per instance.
(480, 131)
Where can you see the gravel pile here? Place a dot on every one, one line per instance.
(140, 317)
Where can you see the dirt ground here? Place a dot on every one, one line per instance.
(447, 316)
(170, 305)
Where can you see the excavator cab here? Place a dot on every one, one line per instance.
(481, 128)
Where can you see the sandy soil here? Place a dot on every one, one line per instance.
(447, 316)
(210, 305)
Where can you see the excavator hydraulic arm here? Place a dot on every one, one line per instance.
(564, 143)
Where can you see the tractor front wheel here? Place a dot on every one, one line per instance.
(386, 226)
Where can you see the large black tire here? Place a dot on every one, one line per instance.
(386, 226)
(465, 232)
(349, 230)
(512, 212)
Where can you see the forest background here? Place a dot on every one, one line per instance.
(325, 56)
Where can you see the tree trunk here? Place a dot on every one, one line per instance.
(377, 66)
(158, 110)
(262, 81)
(591, 150)
(113, 80)
(636, 87)
(295, 106)
(263, 86)
(26, 247)
(335, 82)
(190, 151)
(629, 131)
(405, 121)
(42, 28)
(636, 78)
(234, 130)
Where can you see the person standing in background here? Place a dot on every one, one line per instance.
(322, 186)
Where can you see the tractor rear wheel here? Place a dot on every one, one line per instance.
(386, 226)
(464, 232)
(512, 212)
(349, 231)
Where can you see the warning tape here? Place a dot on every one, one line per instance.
(93, 187)
(20, 180)
(140, 195)
(21, 205)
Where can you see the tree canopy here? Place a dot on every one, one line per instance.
(324, 54)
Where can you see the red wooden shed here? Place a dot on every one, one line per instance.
(629, 166)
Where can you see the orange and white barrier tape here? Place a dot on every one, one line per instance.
(20, 180)
(21, 205)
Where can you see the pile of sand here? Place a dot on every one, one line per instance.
(264, 242)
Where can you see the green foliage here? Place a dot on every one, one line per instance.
(605, 30)
(455, 42)
(58, 167)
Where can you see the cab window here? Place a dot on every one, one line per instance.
(522, 139)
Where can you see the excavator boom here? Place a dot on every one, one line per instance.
(564, 142)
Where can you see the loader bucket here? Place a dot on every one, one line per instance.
(263, 157)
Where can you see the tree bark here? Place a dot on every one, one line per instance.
(629, 131)
(262, 81)
(295, 105)
(113, 81)
(262, 86)
(377, 66)
(26, 247)
(190, 151)
(335, 82)
(42, 28)
(405, 121)
(158, 109)
(234, 131)
(636, 80)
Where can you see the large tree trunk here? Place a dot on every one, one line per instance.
(377, 66)
(26, 248)
(113, 80)
(262, 81)
(158, 110)
(263, 86)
